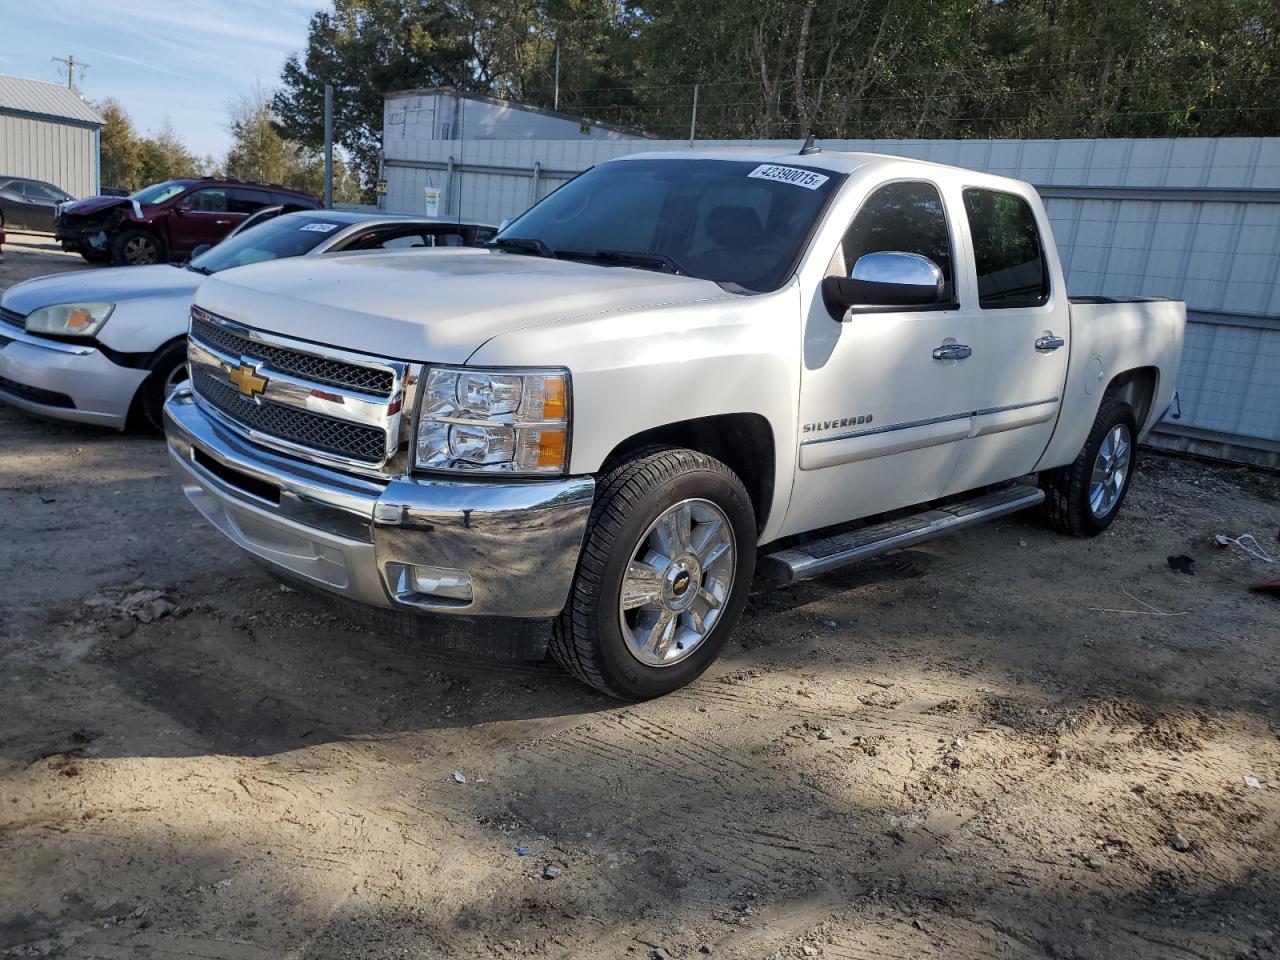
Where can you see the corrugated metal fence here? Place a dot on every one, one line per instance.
(1196, 219)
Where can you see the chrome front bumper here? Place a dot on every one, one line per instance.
(518, 541)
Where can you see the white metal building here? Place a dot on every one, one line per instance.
(48, 133)
(1195, 219)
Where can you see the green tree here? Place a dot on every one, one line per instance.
(367, 48)
(165, 156)
(259, 152)
(120, 145)
(785, 68)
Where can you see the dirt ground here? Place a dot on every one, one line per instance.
(1007, 743)
(27, 255)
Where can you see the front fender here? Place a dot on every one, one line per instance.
(637, 370)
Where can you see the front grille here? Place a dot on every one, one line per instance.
(336, 373)
(46, 397)
(13, 319)
(306, 429)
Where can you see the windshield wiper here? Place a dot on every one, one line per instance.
(523, 245)
(632, 258)
(194, 269)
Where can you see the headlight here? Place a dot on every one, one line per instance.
(70, 319)
(494, 421)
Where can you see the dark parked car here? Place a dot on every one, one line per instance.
(30, 204)
(167, 221)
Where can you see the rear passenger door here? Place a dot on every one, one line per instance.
(1021, 337)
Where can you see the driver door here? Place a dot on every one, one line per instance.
(882, 419)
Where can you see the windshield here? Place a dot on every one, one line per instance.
(290, 235)
(731, 221)
(159, 192)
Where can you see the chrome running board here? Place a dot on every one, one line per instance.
(820, 556)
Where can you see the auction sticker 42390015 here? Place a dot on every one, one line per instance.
(792, 175)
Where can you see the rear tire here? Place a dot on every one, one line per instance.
(1084, 497)
(676, 530)
(168, 370)
(133, 248)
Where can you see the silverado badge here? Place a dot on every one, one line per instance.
(246, 380)
(841, 422)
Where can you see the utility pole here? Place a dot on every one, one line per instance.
(556, 105)
(328, 146)
(693, 120)
(71, 62)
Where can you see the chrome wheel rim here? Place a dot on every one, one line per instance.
(139, 250)
(177, 376)
(677, 582)
(1110, 470)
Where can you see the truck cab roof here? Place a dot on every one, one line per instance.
(832, 161)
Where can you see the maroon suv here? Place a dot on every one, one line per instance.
(166, 221)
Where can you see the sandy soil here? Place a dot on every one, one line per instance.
(1004, 744)
(26, 255)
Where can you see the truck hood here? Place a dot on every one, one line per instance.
(111, 285)
(435, 306)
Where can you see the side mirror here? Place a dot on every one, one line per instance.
(201, 250)
(182, 208)
(889, 278)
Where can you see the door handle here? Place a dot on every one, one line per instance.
(1050, 343)
(221, 223)
(952, 351)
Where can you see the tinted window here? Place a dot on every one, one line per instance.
(732, 221)
(1007, 252)
(42, 191)
(284, 236)
(403, 242)
(291, 202)
(208, 201)
(247, 201)
(902, 217)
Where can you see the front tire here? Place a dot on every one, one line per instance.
(168, 371)
(134, 248)
(663, 577)
(1084, 497)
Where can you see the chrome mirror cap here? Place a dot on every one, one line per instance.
(885, 280)
(896, 267)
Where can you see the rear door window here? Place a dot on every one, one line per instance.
(247, 201)
(1008, 254)
(208, 201)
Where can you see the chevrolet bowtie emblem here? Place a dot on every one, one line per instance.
(246, 380)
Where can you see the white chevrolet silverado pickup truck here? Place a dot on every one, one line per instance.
(677, 373)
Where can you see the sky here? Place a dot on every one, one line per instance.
(181, 59)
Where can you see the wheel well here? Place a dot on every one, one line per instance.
(155, 354)
(1137, 388)
(741, 441)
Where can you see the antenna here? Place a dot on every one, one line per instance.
(71, 62)
(810, 147)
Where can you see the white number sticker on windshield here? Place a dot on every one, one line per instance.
(792, 175)
(325, 227)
